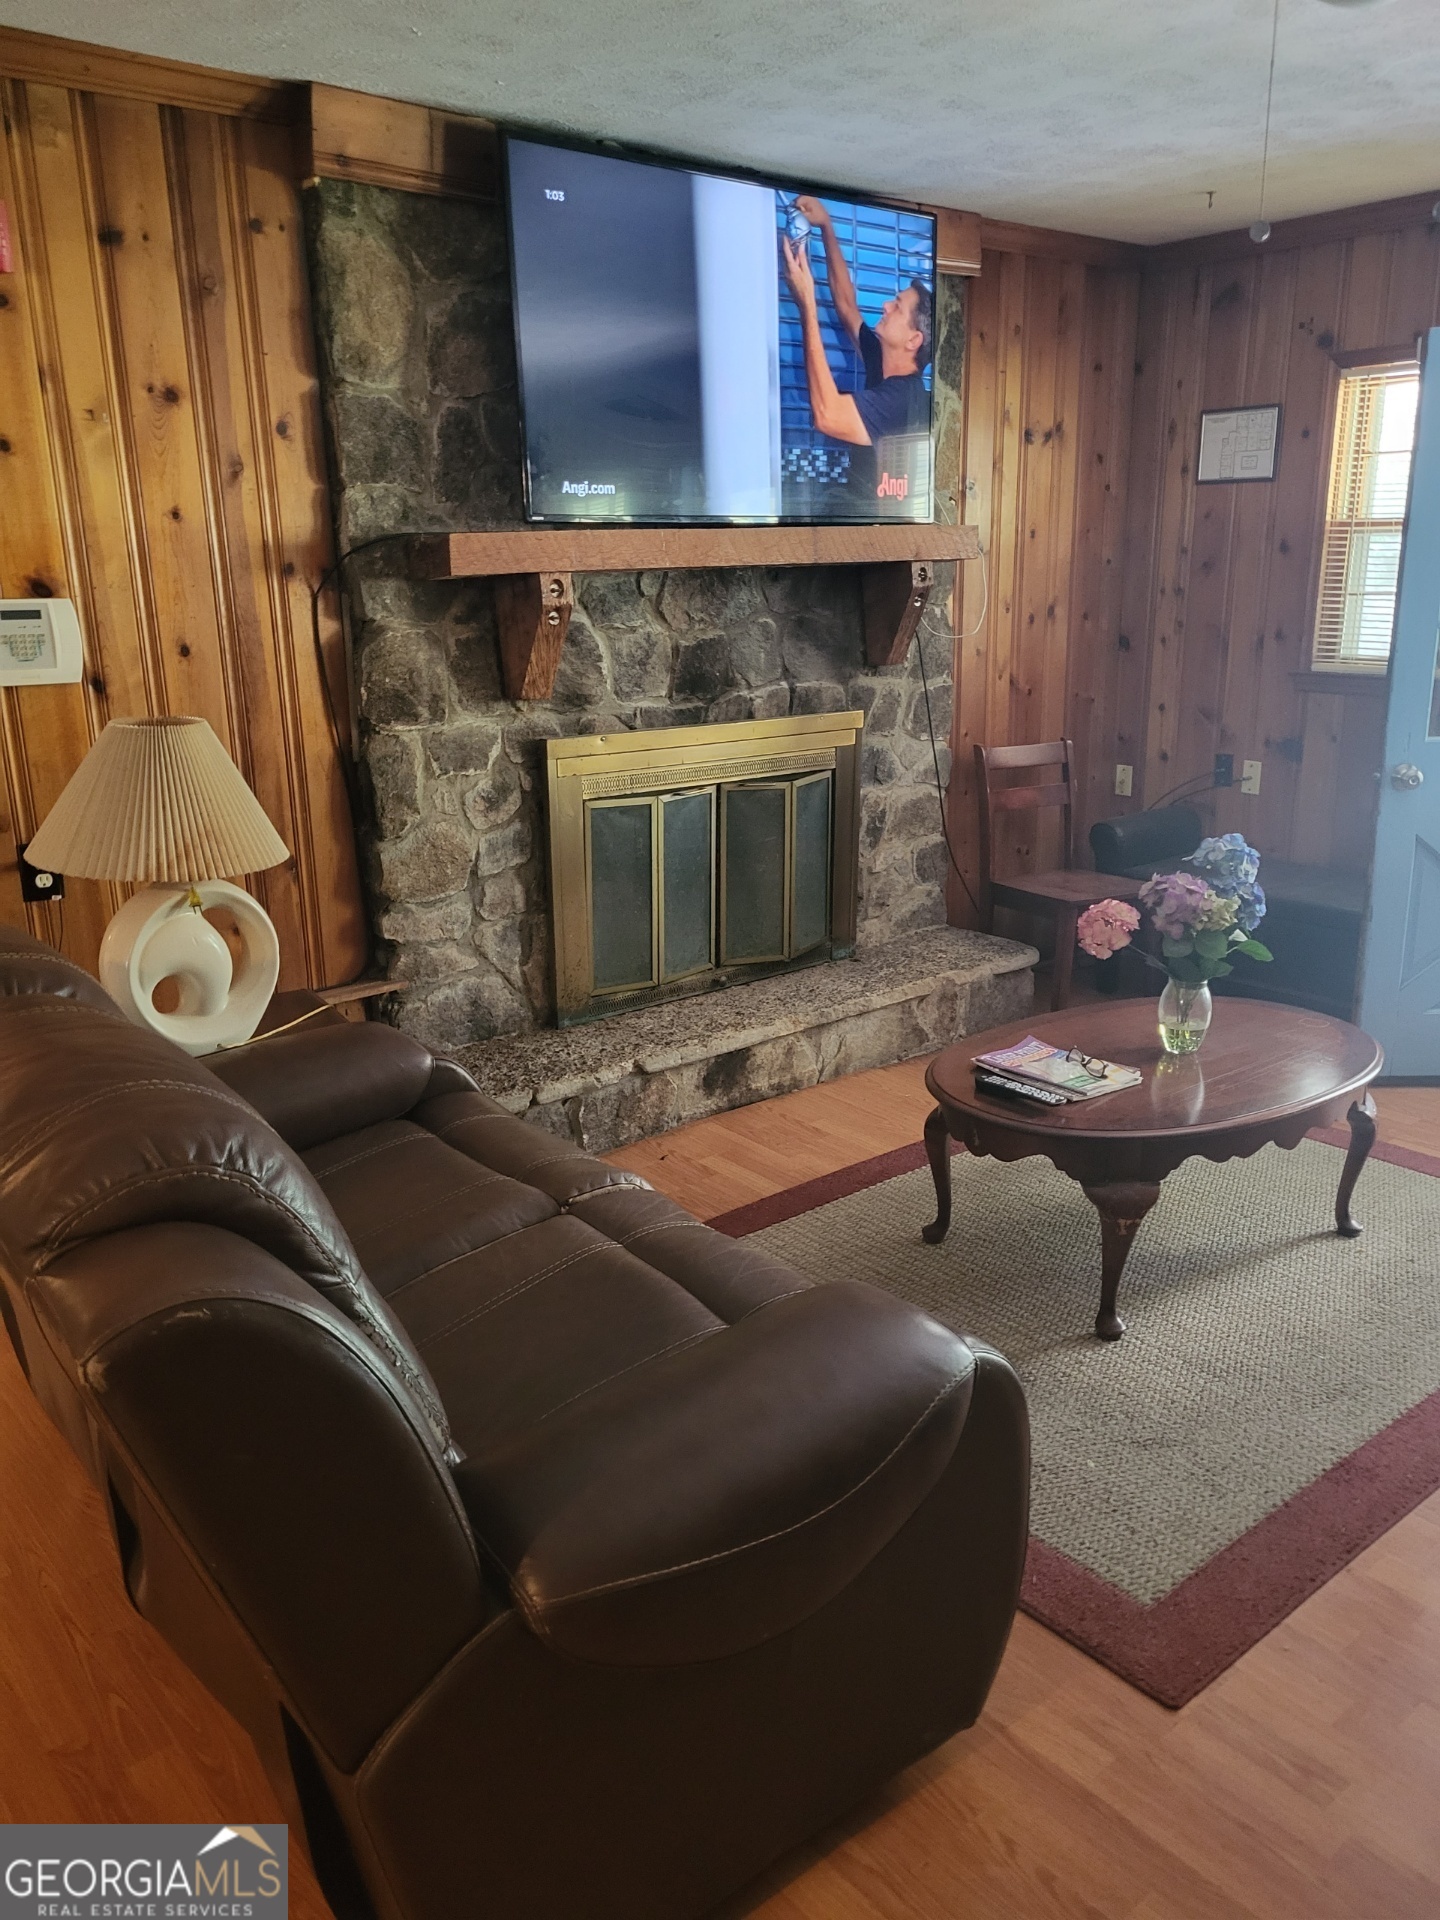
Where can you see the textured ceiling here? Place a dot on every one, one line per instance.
(1115, 117)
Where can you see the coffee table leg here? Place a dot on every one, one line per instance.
(1121, 1208)
(937, 1152)
(1362, 1138)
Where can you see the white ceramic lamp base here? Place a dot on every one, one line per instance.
(159, 935)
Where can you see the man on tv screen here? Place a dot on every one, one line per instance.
(886, 423)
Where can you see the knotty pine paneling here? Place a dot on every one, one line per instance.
(1050, 350)
(1220, 581)
(161, 463)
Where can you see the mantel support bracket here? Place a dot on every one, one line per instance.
(532, 613)
(895, 595)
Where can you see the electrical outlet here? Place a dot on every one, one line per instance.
(1224, 770)
(1250, 776)
(38, 883)
(1124, 780)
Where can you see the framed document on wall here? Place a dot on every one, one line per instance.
(1242, 443)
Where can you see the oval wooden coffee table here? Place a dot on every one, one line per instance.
(1265, 1074)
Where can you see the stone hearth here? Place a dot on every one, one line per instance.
(639, 1073)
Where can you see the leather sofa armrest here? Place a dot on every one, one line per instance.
(448, 1076)
(284, 1454)
(719, 1495)
(1145, 841)
(321, 1081)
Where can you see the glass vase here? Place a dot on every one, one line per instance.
(1184, 1016)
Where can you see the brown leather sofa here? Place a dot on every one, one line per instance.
(563, 1558)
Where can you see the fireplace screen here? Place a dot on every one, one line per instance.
(698, 856)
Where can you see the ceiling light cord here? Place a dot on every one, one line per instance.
(1260, 228)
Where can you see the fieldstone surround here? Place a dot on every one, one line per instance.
(639, 1073)
(412, 312)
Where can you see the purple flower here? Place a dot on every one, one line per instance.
(1176, 902)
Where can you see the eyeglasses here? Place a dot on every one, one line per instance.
(1091, 1066)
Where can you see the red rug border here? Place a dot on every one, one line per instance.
(1174, 1648)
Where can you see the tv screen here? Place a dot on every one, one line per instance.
(695, 348)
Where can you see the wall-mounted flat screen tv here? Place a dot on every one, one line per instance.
(697, 348)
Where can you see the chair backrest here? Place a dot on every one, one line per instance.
(1054, 787)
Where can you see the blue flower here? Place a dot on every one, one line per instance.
(1226, 861)
(1250, 907)
(1231, 866)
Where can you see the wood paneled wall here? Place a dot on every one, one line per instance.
(1153, 621)
(161, 463)
(1050, 352)
(1220, 581)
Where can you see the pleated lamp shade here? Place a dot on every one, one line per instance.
(157, 800)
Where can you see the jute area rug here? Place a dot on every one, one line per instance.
(1273, 1408)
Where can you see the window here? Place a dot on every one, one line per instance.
(1365, 518)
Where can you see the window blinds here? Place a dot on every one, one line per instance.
(1365, 518)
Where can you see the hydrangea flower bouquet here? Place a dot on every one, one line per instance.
(1204, 915)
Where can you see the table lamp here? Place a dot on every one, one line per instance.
(162, 801)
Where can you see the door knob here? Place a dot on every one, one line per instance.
(1403, 775)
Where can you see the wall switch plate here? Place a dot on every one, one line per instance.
(38, 883)
(1224, 770)
(1250, 776)
(1124, 780)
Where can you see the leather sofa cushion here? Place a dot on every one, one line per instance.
(720, 1494)
(106, 1125)
(477, 1127)
(730, 1277)
(320, 1081)
(411, 1202)
(534, 1322)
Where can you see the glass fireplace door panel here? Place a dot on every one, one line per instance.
(687, 883)
(621, 869)
(810, 864)
(754, 872)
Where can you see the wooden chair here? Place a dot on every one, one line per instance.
(1062, 894)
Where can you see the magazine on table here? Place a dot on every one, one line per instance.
(1074, 1074)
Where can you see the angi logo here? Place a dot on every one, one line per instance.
(585, 487)
(893, 486)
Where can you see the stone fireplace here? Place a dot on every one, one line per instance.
(417, 363)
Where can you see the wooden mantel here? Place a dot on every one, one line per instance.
(533, 569)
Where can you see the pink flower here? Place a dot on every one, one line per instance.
(1106, 927)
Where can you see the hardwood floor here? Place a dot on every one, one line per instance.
(1302, 1785)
